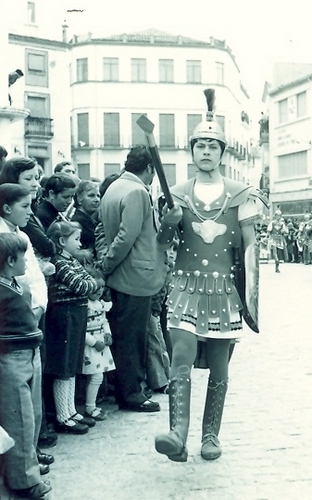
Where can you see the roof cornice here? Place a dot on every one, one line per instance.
(23, 39)
(288, 85)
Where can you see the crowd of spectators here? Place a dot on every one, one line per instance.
(94, 306)
(297, 240)
(83, 262)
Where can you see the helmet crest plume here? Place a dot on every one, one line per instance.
(210, 99)
(210, 128)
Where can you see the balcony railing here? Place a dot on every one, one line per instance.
(39, 127)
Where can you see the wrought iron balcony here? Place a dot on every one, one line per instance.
(39, 127)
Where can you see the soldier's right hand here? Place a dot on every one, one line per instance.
(173, 215)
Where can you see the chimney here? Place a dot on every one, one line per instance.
(65, 32)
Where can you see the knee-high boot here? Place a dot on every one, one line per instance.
(215, 398)
(173, 444)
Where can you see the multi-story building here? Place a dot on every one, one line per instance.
(115, 80)
(36, 46)
(85, 95)
(290, 155)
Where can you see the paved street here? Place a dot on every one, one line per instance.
(267, 425)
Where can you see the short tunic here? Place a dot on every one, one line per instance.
(203, 298)
(95, 361)
(277, 231)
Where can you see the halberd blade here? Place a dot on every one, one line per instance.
(145, 124)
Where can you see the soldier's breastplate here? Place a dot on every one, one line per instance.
(276, 229)
(207, 245)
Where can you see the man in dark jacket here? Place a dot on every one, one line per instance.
(135, 269)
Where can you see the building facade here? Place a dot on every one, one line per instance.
(117, 79)
(290, 112)
(85, 95)
(36, 46)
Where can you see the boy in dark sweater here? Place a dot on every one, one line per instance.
(20, 373)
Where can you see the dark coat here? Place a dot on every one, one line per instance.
(41, 243)
(88, 227)
(46, 213)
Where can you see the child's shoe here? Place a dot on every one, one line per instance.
(71, 427)
(97, 414)
(79, 419)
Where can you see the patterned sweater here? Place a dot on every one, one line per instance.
(71, 282)
(18, 325)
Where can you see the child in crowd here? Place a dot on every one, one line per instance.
(97, 354)
(66, 322)
(171, 258)
(158, 358)
(263, 241)
(20, 374)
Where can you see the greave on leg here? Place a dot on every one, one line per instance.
(215, 398)
(173, 444)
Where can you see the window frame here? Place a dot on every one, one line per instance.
(31, 12)
(138, 70)
(194, 71)
(82, 69)
(167, 130)
(299, 104)
(45, 98)
(166, 70)
(36, 77)
(111, 132)
(110, 69)
(282, 113)
(83, 135)
(291, 169)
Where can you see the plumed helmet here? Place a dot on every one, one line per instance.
(209, 129)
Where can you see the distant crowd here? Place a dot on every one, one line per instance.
(296, 239)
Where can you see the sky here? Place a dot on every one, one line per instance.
(258, 32)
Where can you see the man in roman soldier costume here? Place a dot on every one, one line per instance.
(277, 230)
(215, 284)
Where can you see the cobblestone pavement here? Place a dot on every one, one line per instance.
(267, 424)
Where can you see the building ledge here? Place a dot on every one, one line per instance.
(13, 114)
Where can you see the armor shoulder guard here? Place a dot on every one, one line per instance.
(258, 194)
(241, 192)
(238, 190)
(180, 190)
